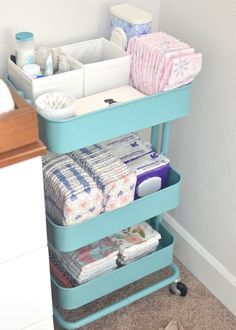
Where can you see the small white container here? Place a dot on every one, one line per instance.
(56, 105)
(24, 48)
(32, 70)
(127, 22)
(105, 65)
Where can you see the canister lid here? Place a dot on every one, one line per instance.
(119, 38)
(24, 36)
(131, 14)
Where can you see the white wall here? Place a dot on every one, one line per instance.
(59, 21)
(203, 146)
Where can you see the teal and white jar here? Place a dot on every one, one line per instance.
(25, 53)
(127, 22)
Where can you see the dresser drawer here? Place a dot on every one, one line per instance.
(44, 325)
(22, 212)
(25, 291)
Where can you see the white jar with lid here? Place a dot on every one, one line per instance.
(25, 53)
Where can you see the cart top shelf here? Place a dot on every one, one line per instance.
(78, 132)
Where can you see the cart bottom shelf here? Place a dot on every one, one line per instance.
(117, 305)
(71, 298)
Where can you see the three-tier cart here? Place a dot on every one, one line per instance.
(64, 136)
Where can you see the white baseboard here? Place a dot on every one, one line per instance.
(203, 265)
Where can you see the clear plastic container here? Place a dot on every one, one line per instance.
(25, 53)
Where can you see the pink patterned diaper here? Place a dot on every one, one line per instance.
(161, 62)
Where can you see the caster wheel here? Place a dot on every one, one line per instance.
(179, 289)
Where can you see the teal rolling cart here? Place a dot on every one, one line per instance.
(64, 136)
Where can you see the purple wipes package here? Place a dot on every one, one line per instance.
(152, 172)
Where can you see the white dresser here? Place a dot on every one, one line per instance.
(24, 267)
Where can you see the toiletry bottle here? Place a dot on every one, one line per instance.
(49, 66)
(64, 65)
(42, 56)
(25, 53)
(55, 52)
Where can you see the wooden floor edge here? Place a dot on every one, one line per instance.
(23, 153)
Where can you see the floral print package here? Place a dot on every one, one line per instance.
(135, 242)
(89, 261)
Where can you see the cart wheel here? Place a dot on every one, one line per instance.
(179, 289)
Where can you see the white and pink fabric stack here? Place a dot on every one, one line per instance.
(161, 62)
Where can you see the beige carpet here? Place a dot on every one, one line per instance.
(199, 310)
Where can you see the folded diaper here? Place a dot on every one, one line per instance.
(125, 261)
(71, 195)
(90, 261)
(135, 242)
(111, 175)
(161, 62)
(152, 172)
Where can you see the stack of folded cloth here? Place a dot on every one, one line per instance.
(89, 262)
(161, 62)
(127, 147)
(58, 271)
(111, 175)
(71, 195)
(135, 242)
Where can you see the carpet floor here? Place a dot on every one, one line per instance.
(199, 310)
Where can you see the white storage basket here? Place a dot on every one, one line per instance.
(105, 65)
(98, 65)
(70, 82)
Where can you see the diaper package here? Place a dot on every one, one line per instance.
(135, 242)
(161, 62)
(116, 181)
(127, 147)
(71, 195)
(88, 262)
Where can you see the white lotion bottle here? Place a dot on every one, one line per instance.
(25, 53)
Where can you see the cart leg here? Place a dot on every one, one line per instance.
(165, 138)
(155, 137)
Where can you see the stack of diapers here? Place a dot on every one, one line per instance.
(90, 261)
(152, 172)
(136, 242)
(151, 169)
(111, 175)
(161, 62)
(71, 195)
(127, 147)
(57, 270)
